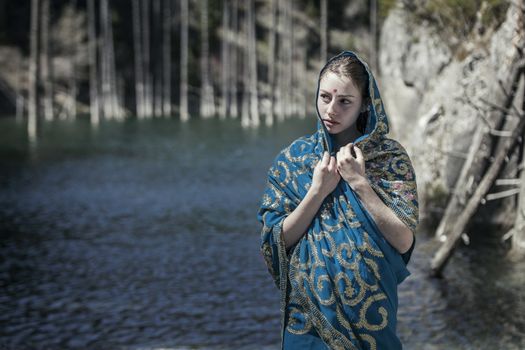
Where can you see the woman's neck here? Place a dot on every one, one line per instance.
(347, 136)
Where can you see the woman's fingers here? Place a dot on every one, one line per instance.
(333, 164)
(326, 159)
(358, 154)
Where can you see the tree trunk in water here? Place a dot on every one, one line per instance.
(166, 54)
(225, 61)
(324, 31)
(107, 106)
(46, 63)
(252, 61)
(445, 251)
(287, 59)
(271, 62)
(138, 62)
(234, 77)
(279, 65)
(148, 90)
(157, 49)
(483, 141)
(184, 115)
(518, 231)
(93, 71)
(111, 104)
(245, 111)
(207, 106)
(34, 73)
(116, 94)
(73, 86)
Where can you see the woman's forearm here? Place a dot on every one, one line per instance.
(392, 228)
(296, 224)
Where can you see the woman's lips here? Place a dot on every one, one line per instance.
(329, 122)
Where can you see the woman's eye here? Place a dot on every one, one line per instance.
(345, 101)
(325, 97)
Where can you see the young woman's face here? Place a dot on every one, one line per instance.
(339, 103)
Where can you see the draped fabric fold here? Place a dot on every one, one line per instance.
(339, 282)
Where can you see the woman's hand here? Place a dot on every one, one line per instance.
(325, 177)
(352, 169)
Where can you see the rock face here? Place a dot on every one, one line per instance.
(425, 86)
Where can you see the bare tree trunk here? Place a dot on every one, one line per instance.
(234, 104)
(111, 105)
(116, 93)
(166, 53)
(252, 62)
(148, 89)
(34, 71)
(157, 49)
(184, 115)
(225, 60)
(139, 62)
(288, 54)
(292, 105)
(279, 65)
(245, 111)
(518, 231)
(483, 141)
(324, 31)
(445, 251)
(73, 86)
(46, 63)
(93, 71)
(207, 106)
(19, 92)
(104, 60)
(271, 62)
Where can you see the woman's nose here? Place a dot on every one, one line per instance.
(331, 109)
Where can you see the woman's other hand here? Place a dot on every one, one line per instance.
(325, 176)
(350, 167)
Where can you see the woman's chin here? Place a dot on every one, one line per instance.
(333, 130)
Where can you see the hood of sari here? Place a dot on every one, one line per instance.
(340, 280)
(377, 121)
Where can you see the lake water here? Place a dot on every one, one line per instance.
(143, 235)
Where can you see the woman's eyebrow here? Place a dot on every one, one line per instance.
(328, 92)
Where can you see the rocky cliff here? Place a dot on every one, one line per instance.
(427, 82)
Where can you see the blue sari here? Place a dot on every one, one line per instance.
(339, 282)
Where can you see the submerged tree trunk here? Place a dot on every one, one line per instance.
(225, 61)
(207, 106)
(518, 231)
(279, 65)
(252, 65)
(166, 54)
(93, 71)
(47, 77)
(234, 79)
(287, 59)
(245, 111)
(138, 60)
(271, 62)
(184, 115)
(157, 49)
(34, 74)
(483, 141)
(148, 89)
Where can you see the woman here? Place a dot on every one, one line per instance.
(339, 215)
